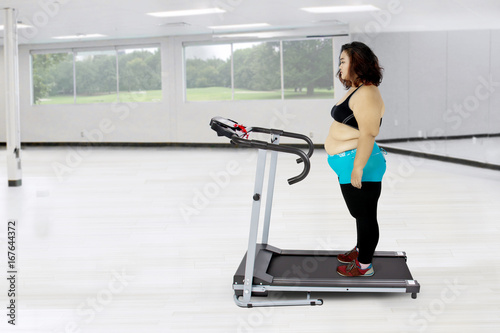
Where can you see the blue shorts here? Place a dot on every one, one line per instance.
(373, 171)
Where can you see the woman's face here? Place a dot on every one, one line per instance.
(344, 66)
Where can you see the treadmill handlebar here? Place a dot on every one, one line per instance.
(308, 141)
(282, 149)
(238, 134)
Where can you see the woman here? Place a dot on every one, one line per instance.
(353, 153)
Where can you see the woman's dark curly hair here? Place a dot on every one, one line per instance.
(363, 63)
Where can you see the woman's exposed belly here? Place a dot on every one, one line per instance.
(341, 138)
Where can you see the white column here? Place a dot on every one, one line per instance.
(11, 59)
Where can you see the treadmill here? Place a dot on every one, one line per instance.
(265, 268)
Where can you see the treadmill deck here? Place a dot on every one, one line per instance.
(277, 269)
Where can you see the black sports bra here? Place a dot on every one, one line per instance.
(343, 113)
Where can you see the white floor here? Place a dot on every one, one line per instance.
(480, 149)
(147, 240)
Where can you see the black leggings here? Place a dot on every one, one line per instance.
(362, 204)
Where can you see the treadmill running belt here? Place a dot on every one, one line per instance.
(310, 268)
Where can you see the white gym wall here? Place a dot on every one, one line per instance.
(432, 79)
(426, 75)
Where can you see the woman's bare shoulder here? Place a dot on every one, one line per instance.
(369, 91)
(367, 94)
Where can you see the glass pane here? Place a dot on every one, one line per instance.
(308, 68)
(96, 77)
(52, 78)
(257, 73)
(208, 72)
(140, 75)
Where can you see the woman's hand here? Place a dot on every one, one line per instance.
(356, 175)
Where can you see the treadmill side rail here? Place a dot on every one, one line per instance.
(386, 287)
(286, 302)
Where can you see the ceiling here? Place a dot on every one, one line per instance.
(117, 19)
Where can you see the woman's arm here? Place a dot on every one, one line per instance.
(367, 109)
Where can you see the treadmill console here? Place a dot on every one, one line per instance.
(228, 128)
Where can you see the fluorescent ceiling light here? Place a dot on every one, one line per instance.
(340, 9)
(188, 12)
(19, 26)
(246, 35)
(78, 36)
(240, 26)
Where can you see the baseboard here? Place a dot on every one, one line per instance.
(442, 158)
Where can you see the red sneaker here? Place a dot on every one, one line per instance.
(354, 269)
(348, 256)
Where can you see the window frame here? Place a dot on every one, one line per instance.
(74, 51)
(230, 42)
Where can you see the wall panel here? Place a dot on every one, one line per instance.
(468, 66)
(427, 78)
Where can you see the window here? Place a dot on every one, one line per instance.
(254, 70)
(257, 73)
(140, 74)
(208, 72)
(53, 78)
(308, 68)
(97, 76)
